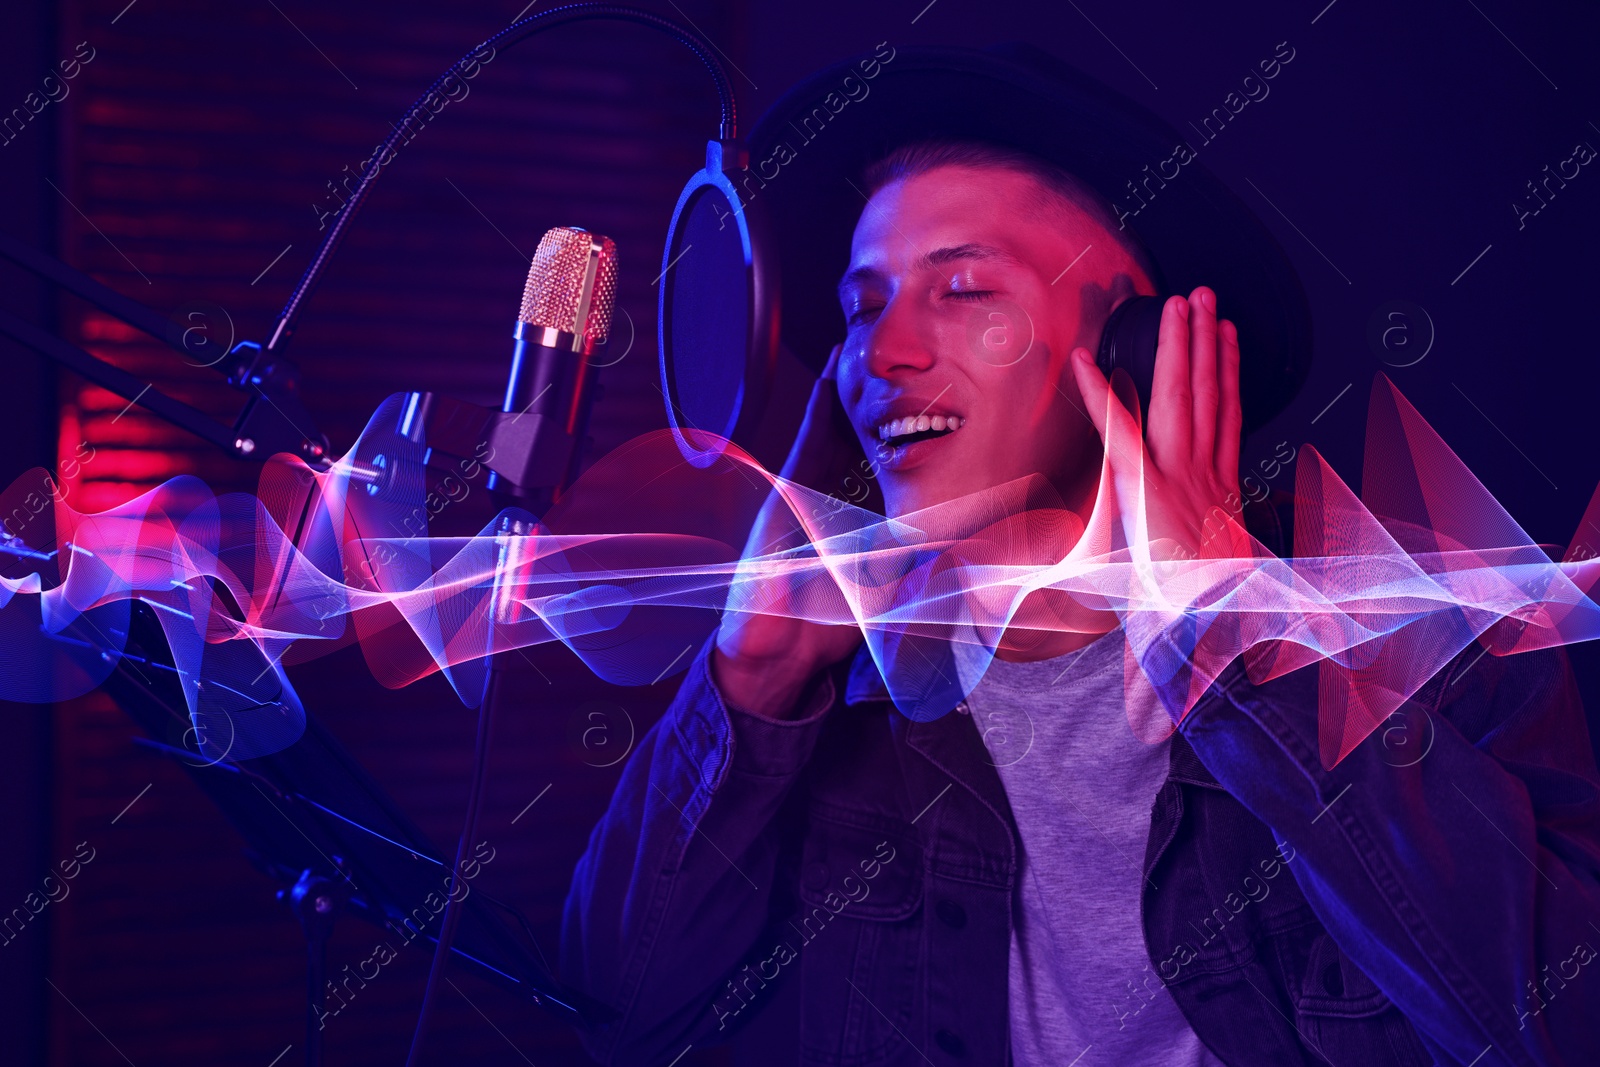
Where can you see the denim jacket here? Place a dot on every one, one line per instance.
(1435, 898)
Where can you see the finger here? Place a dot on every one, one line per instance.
(1230, 412)
(1119, 431)
(824, 421)
(1203, 358)
(830, 370)
(828, 386)
(1117, 425)
(1092, 386)
(1171, 397)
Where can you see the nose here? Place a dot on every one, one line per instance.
(897, 344)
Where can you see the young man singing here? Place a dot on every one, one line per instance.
(1024, 880)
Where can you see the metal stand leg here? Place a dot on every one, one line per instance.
(317, 902)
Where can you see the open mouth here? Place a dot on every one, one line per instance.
(913, 428)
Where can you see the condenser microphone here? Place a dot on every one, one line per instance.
(567, 304)
(566, 312)
(532, 445)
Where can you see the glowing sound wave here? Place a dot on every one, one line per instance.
(631, 569)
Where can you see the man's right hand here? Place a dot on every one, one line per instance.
(764, 661)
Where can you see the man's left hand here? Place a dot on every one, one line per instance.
(1190, 457)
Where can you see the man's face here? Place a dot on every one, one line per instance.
(964, 302)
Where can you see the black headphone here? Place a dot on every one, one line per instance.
(1129, 341)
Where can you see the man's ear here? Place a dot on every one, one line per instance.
(1096, 302)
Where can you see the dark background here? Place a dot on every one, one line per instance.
(192, 149)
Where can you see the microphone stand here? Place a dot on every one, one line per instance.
(511, 532)
(316, 823)
(542, 458)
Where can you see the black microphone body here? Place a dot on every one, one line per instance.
(539, 389)
(567, 304)
(538, 375)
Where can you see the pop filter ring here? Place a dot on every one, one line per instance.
(687, 304)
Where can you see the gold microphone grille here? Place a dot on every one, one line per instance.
(555, 290)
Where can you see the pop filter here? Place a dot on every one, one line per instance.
(717, 326)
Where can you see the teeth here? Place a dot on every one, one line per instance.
(918, 424)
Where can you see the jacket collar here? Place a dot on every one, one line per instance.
(865, 683)
(956, 747)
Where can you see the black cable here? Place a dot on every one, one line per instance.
(469, 830)
(513, 34)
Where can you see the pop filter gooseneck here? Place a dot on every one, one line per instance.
(516, 33)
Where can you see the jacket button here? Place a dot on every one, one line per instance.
(817, 875)
(1333, 980)
(951, 914)
(950, 1043)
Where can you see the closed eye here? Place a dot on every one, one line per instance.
(861, 315)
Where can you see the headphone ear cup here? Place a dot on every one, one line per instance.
(1129, 341)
